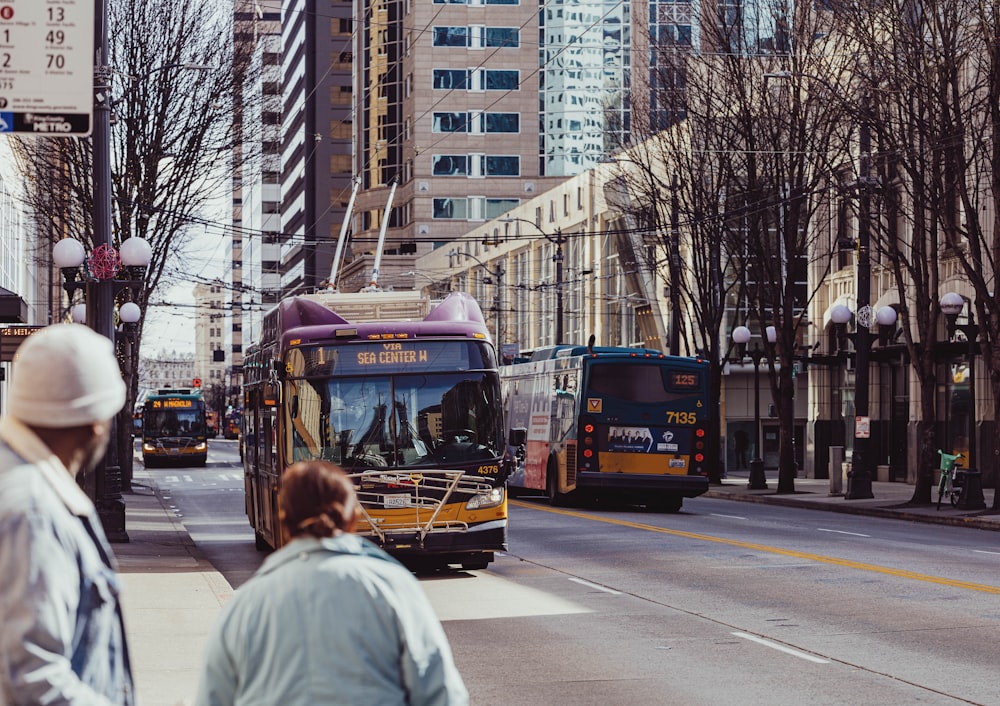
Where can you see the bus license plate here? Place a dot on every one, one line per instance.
(401, 500)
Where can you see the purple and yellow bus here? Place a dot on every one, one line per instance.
(408, 404)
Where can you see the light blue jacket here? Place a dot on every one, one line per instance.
(332, 621)
(61, 634)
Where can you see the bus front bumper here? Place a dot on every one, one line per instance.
(488, 537)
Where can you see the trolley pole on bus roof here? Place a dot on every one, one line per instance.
(373, 285)
(332, 283)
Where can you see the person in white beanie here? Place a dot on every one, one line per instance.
(62, 636)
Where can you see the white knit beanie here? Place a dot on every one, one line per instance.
(65, 375)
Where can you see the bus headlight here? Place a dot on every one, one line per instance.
(148, 448)
(203, 446)
(484, 500)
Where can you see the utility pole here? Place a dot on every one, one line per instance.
(675, 268)
(101, 292)
(558, 259)
(859, 480)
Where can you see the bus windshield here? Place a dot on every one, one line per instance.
(173, 422)
(410, 420)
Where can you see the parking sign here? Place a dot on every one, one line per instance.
(47, 67)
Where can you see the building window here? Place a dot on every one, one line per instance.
(497, 207)
(502, 80)
(451, 122)
(451, 79)
(449, 165)
(501, 122)
(451, 36)
(501, 37)
(500, 165)
(451, 208)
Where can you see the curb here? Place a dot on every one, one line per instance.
(973, 521)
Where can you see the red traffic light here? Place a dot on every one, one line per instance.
(196, 382)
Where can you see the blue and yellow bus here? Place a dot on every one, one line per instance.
(408, 405)
(627, 424)
(174, 428)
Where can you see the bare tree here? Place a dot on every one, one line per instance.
(178, 77)
(932, 68)
(754, 153)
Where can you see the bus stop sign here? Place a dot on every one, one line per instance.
(47, 67)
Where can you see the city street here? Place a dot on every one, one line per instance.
(726, 602)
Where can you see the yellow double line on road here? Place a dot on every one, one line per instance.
(981, 587)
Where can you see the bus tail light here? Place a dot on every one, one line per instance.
(698, 452)
(588, 444)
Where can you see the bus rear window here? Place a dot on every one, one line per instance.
(642, 383)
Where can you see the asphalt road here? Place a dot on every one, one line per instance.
(723, 603)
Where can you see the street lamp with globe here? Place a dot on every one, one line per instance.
(952, 304)
(741, 336)
(104, 275)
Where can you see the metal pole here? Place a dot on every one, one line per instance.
(332, 283)
(373, 285)
(972, 332)
(859, 480)
(497, 294)
(675, 269)
(101, 293)
(757, 480)
(558, 259)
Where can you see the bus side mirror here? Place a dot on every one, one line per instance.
(518, 437)
(272, 392)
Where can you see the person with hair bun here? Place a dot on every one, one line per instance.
(329, 618)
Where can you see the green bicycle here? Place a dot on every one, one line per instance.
(948, 485)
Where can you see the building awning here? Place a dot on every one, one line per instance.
(13, 309)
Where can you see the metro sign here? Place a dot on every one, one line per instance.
(47, 67)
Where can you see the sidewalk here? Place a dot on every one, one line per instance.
(171, 597)
(890, 501)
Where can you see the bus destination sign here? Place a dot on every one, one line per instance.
(684, 381)
(47, 67)
(391, 354)
(385, 357)
(172, 404)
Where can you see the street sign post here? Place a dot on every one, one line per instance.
(47, 67)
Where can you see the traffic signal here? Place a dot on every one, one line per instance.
(196, 382)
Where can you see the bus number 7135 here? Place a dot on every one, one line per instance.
(682, 417)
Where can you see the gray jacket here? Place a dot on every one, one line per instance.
(62, 639)
(333, 621)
